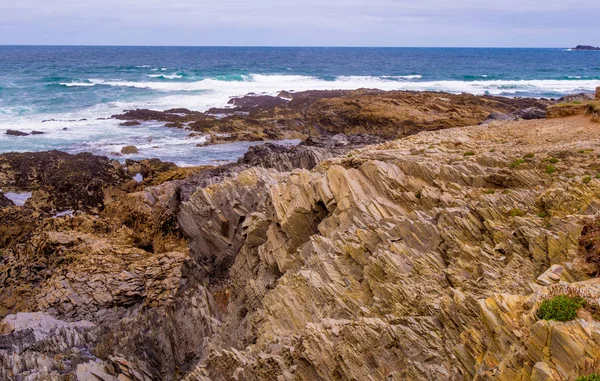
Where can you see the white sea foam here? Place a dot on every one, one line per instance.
(106, 136)
(271, 84)
(77, 84)
(165, 76)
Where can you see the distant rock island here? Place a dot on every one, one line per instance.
(585, 47)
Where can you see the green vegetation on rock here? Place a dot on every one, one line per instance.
(591, 377)
(516, 163)
(560, 308)
(550, 169)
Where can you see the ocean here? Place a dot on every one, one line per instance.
(68, 92)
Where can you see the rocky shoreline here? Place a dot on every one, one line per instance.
(409, 236)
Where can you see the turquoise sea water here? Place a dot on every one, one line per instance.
(77, 86)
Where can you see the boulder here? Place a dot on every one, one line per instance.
(129, 150)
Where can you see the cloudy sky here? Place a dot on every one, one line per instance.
(533, 23)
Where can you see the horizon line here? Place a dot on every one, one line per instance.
(286, 46)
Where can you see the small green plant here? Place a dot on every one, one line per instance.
(529, 156)
(560, 308)
(589, 377)
(553, 160)
(516, 212)
(586, 179)
(350, 154)
(489, 191)
(550, 169)
(542, 214)
(493, 150)
(469, 153)
(598, 176)
(516, 163)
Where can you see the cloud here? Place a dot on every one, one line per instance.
(294, 22)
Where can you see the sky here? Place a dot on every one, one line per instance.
(460, 23)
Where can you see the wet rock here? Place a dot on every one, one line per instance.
(37, 133)
(60, 181)
(130, 123)
(129, 150)
(257, 101)
(16, 133)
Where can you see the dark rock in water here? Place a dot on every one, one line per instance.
(174, 125)
(179, 111)
(65, 129)
(585, 47)
(4, 201)
(16, 133)
(130, 123)
(148, 115)
(257, 101)
(37, 133)
(581, 97)
(128, 150)
(61, 181)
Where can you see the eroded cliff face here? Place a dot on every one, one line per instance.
(417, 259)
(398, 262)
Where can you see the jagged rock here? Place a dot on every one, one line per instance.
(416, 259)
(283, 158)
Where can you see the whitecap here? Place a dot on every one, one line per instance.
(165, 76)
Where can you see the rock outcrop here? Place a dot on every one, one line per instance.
(415, 259)
(60, 181)
(379, 113)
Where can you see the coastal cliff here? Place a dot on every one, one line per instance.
(347, 257)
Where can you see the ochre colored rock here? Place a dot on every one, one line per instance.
(129, 150)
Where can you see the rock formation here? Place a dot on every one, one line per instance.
(298, 115)
(423, 258)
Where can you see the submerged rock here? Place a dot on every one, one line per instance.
(16, 133)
